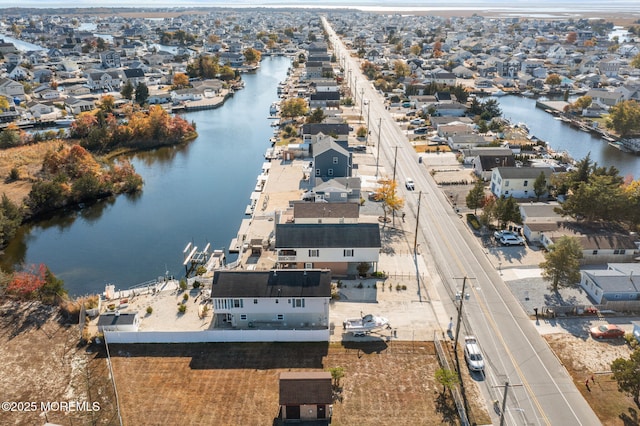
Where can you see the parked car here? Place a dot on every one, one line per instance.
(499, 234)
(360, 148)
(408, 182)
(417, 121)
(472, 354)
(511, 240)
(606, 331)
(420, 130)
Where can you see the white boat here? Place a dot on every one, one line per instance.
(498, 93)
(527, 93)
(365, 325)
(273, 110)
(64, 122)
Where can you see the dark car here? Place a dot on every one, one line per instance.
(606, 331)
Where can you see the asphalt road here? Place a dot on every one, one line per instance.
(540, 392)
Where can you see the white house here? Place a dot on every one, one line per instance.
(517, 182)
(340, 247)
(276, 299)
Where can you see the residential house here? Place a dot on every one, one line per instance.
(598, 246)
(38, 109)
(539, 218)
(340, 247)
(517, 182)
(337, 190)
(612, 284)
(449, 109)
(606, 98)
(324, 100)
(134, 76)
(484, 159)
(11, 89)
(101, 80)
(467, 141)
(275, 299)
(18, 73)
(340, 132)
(330, 159)
(321, 213)
(609, 66)
(110, 59)
(306, 396)
(75, 105)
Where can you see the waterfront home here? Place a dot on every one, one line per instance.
(605, 98)
(338, 131)
(134, 76)
(77, 105)
(468, 141)
(305, 396)
(517, 182)
(268, 300)
(304, 212)
(110, 59)
(340, 247)
(324, 100)
(101, 80)
(337, 190)
(11, 89)
(330, 159)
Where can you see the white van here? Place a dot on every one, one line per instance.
(408, 182)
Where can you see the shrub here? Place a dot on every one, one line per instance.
(339, 283)
(398, 287)
(182, 308)
(14, 174)
(404, 287)
(183, 285)
(473, 221)
(196, 284)
(149, 310)
(185, 297)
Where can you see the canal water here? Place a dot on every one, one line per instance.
(562, 137)
(197, 193)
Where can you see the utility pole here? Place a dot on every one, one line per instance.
(455, 342)
(504, 400)
(415, 237)
(366, 141)
(378, 154)
(361, 102)
(395, 161)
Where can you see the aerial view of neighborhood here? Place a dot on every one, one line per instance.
(320, 214)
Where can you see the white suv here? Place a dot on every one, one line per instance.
(511, 240)
(408, 182)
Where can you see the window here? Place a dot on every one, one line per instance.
(308, 265)
(619, 251)
(335, 160)
(237, 303)
(243, 317)
(330, 172)
(255, 301)
(594, 252)
(317, 172)
(314, 253)
(506, 183)
(280, 317)
(526, 182)
(297, 303)
(347, 253)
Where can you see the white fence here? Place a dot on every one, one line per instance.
(217, 336)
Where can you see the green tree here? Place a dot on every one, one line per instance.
(10, 219)
(294, 107)
(447, 378)
(505, 210)
(251, 56)
(401, 68)
(127, 90)
(624, 118)
(540, 186)
(362, 132)
(53, 288)
(562, 263)
(316, 116)
(415, 50)
(635, 62)
(475, 197)
(4, 103)
(337, 373)
(142, 93)
(626, 372)
(600, 198)
(553, 80)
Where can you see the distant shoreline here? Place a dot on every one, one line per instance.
(620, 13)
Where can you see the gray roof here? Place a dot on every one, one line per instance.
(325, 128)
(615, 282)
(326, 235)
(523, 172)
(113, 319)
(328, 143)
(318, 210)
(281, 283)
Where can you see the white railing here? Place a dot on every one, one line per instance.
(217, 336)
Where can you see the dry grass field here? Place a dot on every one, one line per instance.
(587, 357)
(237, 384)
